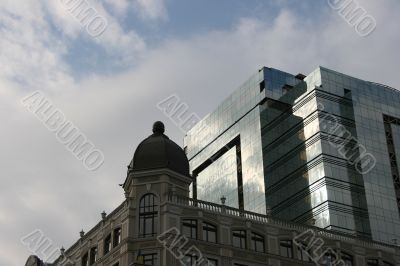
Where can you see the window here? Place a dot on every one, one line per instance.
(239, 238)
(329, 259)
(150, 259)
(189, 260)
(348, 259)
(147, 215)
(209, 232)
(304, 253)
(387, 264)
(212, 262)
(93, 255)
(372, 262)
(286, 248)
(117, 237)
(85, 260)
(189, 228)
(107, 244)
(262, 86)
(257, 242)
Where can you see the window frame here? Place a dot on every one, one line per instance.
(107, 244)
(208, 229)
(242, 236)
(148, 214)
(117, 236)
(288, 245)
(93, 256)
(257, 238)
(190, 225)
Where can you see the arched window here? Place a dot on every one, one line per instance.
(148, 215)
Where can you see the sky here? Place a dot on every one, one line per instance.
(108, 83)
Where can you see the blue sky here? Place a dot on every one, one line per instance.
(109, 86)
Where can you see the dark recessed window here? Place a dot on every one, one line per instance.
(150, 259)
(286, 248)
(85, 260)
(93, 255)
(147, 216)
(329, 259)
(189, 228)
(257, 242)
(209, 232)
(189, 260)
(262, 86)
(117, 237)
(347, 258)
(212, 262)
(107, 244)
(372, 262)
(239, 238)
(387, 264)
(304, 253)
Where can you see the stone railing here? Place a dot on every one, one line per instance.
(262, 218)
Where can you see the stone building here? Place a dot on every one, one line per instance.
(158, 224)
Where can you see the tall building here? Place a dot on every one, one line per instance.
(321, 149)
(159, 225)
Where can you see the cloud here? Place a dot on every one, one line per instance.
(151, 9)
(146, 9)
(45, 187)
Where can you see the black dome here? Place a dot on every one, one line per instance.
(158, 151)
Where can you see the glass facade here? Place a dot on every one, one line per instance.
(322, 149)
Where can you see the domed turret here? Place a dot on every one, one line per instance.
(158, 151)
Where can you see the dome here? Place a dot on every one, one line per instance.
(158, 151)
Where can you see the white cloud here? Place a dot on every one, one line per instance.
(151, 9)
(43, 186)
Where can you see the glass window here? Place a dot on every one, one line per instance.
(189, 260)
(147, 215)
(239, 238)
(107, 244)
(150, 259)
(372, 262)
(304, 253)
(348, 259)
(286, 248)
(85, 260)
(387, 264)
(209, 232)
(117, 237)
(329, 259)
(212, 262)
(189, 228)
(93, 255)
(257, 242)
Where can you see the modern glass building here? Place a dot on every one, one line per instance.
(318, 149)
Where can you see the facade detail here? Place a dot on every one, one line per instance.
(321, 149)
(158, 224)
